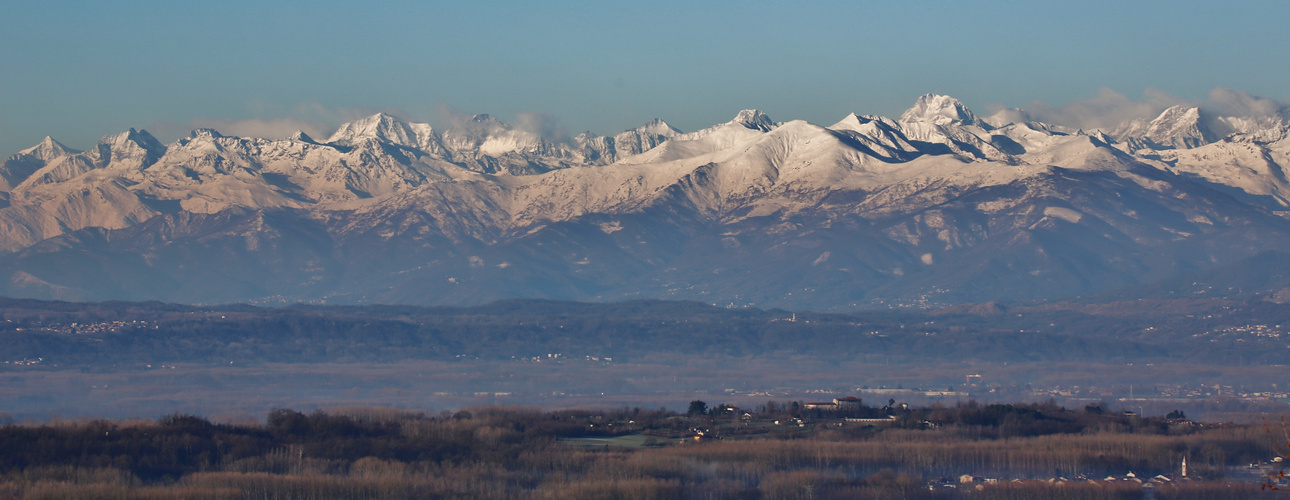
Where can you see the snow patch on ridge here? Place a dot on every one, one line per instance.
(1065, 214)
(489, 177)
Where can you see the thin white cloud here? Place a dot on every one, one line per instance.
(544, 125)
(452, 117)
(1227, 102)
(320, 122)
(1105, 111)
(314, 119)
(1110, 108)
(272, 128)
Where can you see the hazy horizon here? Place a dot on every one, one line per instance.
(82, 71)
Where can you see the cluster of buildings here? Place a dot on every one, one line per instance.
(88, 328)
(559, 357)
(25, 362)
(846, 403)
(980, 483)
(1266, 473)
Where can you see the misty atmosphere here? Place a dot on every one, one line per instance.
(648, 250)
(233, 363)
(1174, 398)
(989, 280)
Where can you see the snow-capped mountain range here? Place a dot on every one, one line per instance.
(937, 206)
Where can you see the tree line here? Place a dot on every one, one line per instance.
(519, 452)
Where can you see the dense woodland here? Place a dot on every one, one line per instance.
(512, 452)
(111, 334)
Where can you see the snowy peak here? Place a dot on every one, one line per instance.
(19, 167)
(859, 122)
(1264, 129)
(138, 145)
(891, 200)
(754, 119)
(482, 143)
(478, 128)
(380, 126)
(596, 149)
(490, 136)
(657, 127)
(941, 110)
(133, 138)
(301, 136)
(748, 124)
(48, 149)
(943, 120)
(1180, 127)
(1005, 117)
(879, 136)
(205, 133)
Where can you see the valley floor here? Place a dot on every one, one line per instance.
(242, 392)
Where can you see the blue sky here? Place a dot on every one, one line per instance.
(81, 70)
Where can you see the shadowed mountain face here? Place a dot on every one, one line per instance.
(938, 207)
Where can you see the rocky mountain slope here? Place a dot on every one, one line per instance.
(940, 206)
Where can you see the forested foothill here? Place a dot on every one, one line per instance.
(234, 362)
(780, 449)
(114, 334)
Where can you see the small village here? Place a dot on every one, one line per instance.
(1267, 473)
(850, 411)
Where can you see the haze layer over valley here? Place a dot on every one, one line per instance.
(938, 206)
